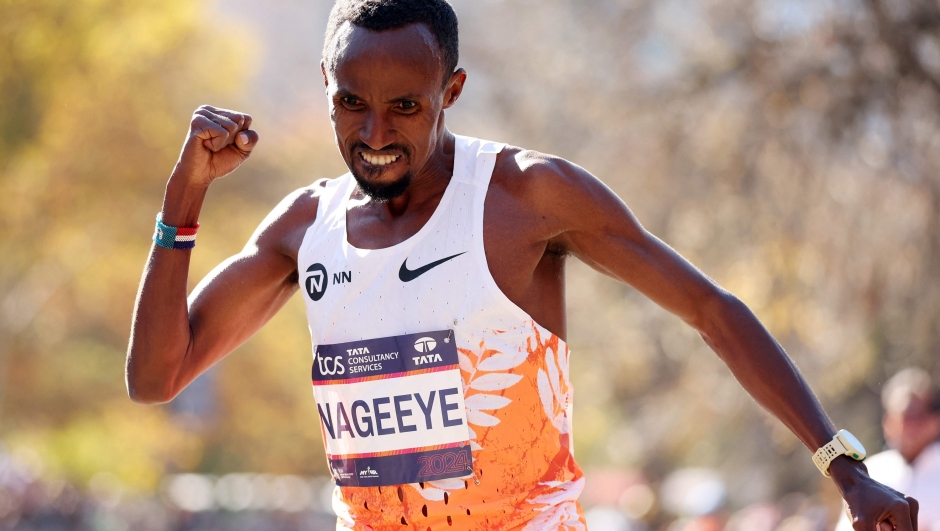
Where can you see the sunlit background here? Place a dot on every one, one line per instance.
(790, 148)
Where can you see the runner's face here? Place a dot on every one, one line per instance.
(386, 103)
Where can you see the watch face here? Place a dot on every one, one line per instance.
(852, 445)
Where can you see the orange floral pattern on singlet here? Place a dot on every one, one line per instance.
(518, 396)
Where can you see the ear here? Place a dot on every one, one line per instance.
(326, 78)
(454, 87)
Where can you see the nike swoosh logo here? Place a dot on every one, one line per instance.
(407, 275)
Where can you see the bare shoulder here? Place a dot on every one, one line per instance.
(563, 194)
(283, 229)
(529, 171)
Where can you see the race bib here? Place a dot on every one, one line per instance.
(392, 409)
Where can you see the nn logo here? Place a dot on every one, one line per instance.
(318, 279)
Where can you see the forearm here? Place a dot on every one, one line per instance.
(765, 371)
(161, 336)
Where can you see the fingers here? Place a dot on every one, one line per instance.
(246, 141)
(863, 525)
(243, 120)
(213, 135)
(229, 128)
(882, 509)
(915, 508)
(903, 516)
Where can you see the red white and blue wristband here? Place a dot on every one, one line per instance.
(174, 237)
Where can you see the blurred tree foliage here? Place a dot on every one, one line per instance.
(787, 147)
(95, 97)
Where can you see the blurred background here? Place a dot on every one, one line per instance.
(789, 148)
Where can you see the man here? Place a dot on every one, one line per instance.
(433, 276)
(911, 425)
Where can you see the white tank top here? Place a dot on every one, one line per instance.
(513, 373)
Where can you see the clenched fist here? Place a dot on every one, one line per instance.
(219, 141)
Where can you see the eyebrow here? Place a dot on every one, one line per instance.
(341, 92)
(407, 97)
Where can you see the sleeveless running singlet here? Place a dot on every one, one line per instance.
(443, 405)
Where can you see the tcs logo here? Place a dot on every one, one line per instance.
(331, 365)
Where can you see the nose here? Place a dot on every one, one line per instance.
(376, 130)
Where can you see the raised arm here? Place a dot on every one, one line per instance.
(592, 223)
(173, 340)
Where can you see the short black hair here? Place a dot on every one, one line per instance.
(380, 15)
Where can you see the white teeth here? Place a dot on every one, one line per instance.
(379, 160)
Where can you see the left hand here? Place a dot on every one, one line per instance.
(872, 506)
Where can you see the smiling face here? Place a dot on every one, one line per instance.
(387, 95)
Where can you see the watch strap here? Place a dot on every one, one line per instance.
(827, 453)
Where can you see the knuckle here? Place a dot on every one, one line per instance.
(225, 122)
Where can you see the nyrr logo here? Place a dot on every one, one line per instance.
(425, 344)
(330, 366)
(316, 281)
(368, 472)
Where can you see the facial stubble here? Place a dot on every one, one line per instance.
(381, 192)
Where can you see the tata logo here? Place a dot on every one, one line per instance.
(425, 344)
(316, 281)
(368, 472)
(330, 365)
(428, 358)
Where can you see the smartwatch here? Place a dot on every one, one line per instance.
(844, 443)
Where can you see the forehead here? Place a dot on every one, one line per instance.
(406, 58)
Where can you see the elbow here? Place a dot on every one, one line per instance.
(144, 388)
(145, 396)
(716, 317)
(148, 394)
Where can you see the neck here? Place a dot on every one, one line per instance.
(431, 180)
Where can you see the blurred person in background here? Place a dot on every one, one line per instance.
(430, 242)
(911, 425)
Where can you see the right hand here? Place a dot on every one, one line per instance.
(219, 141)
